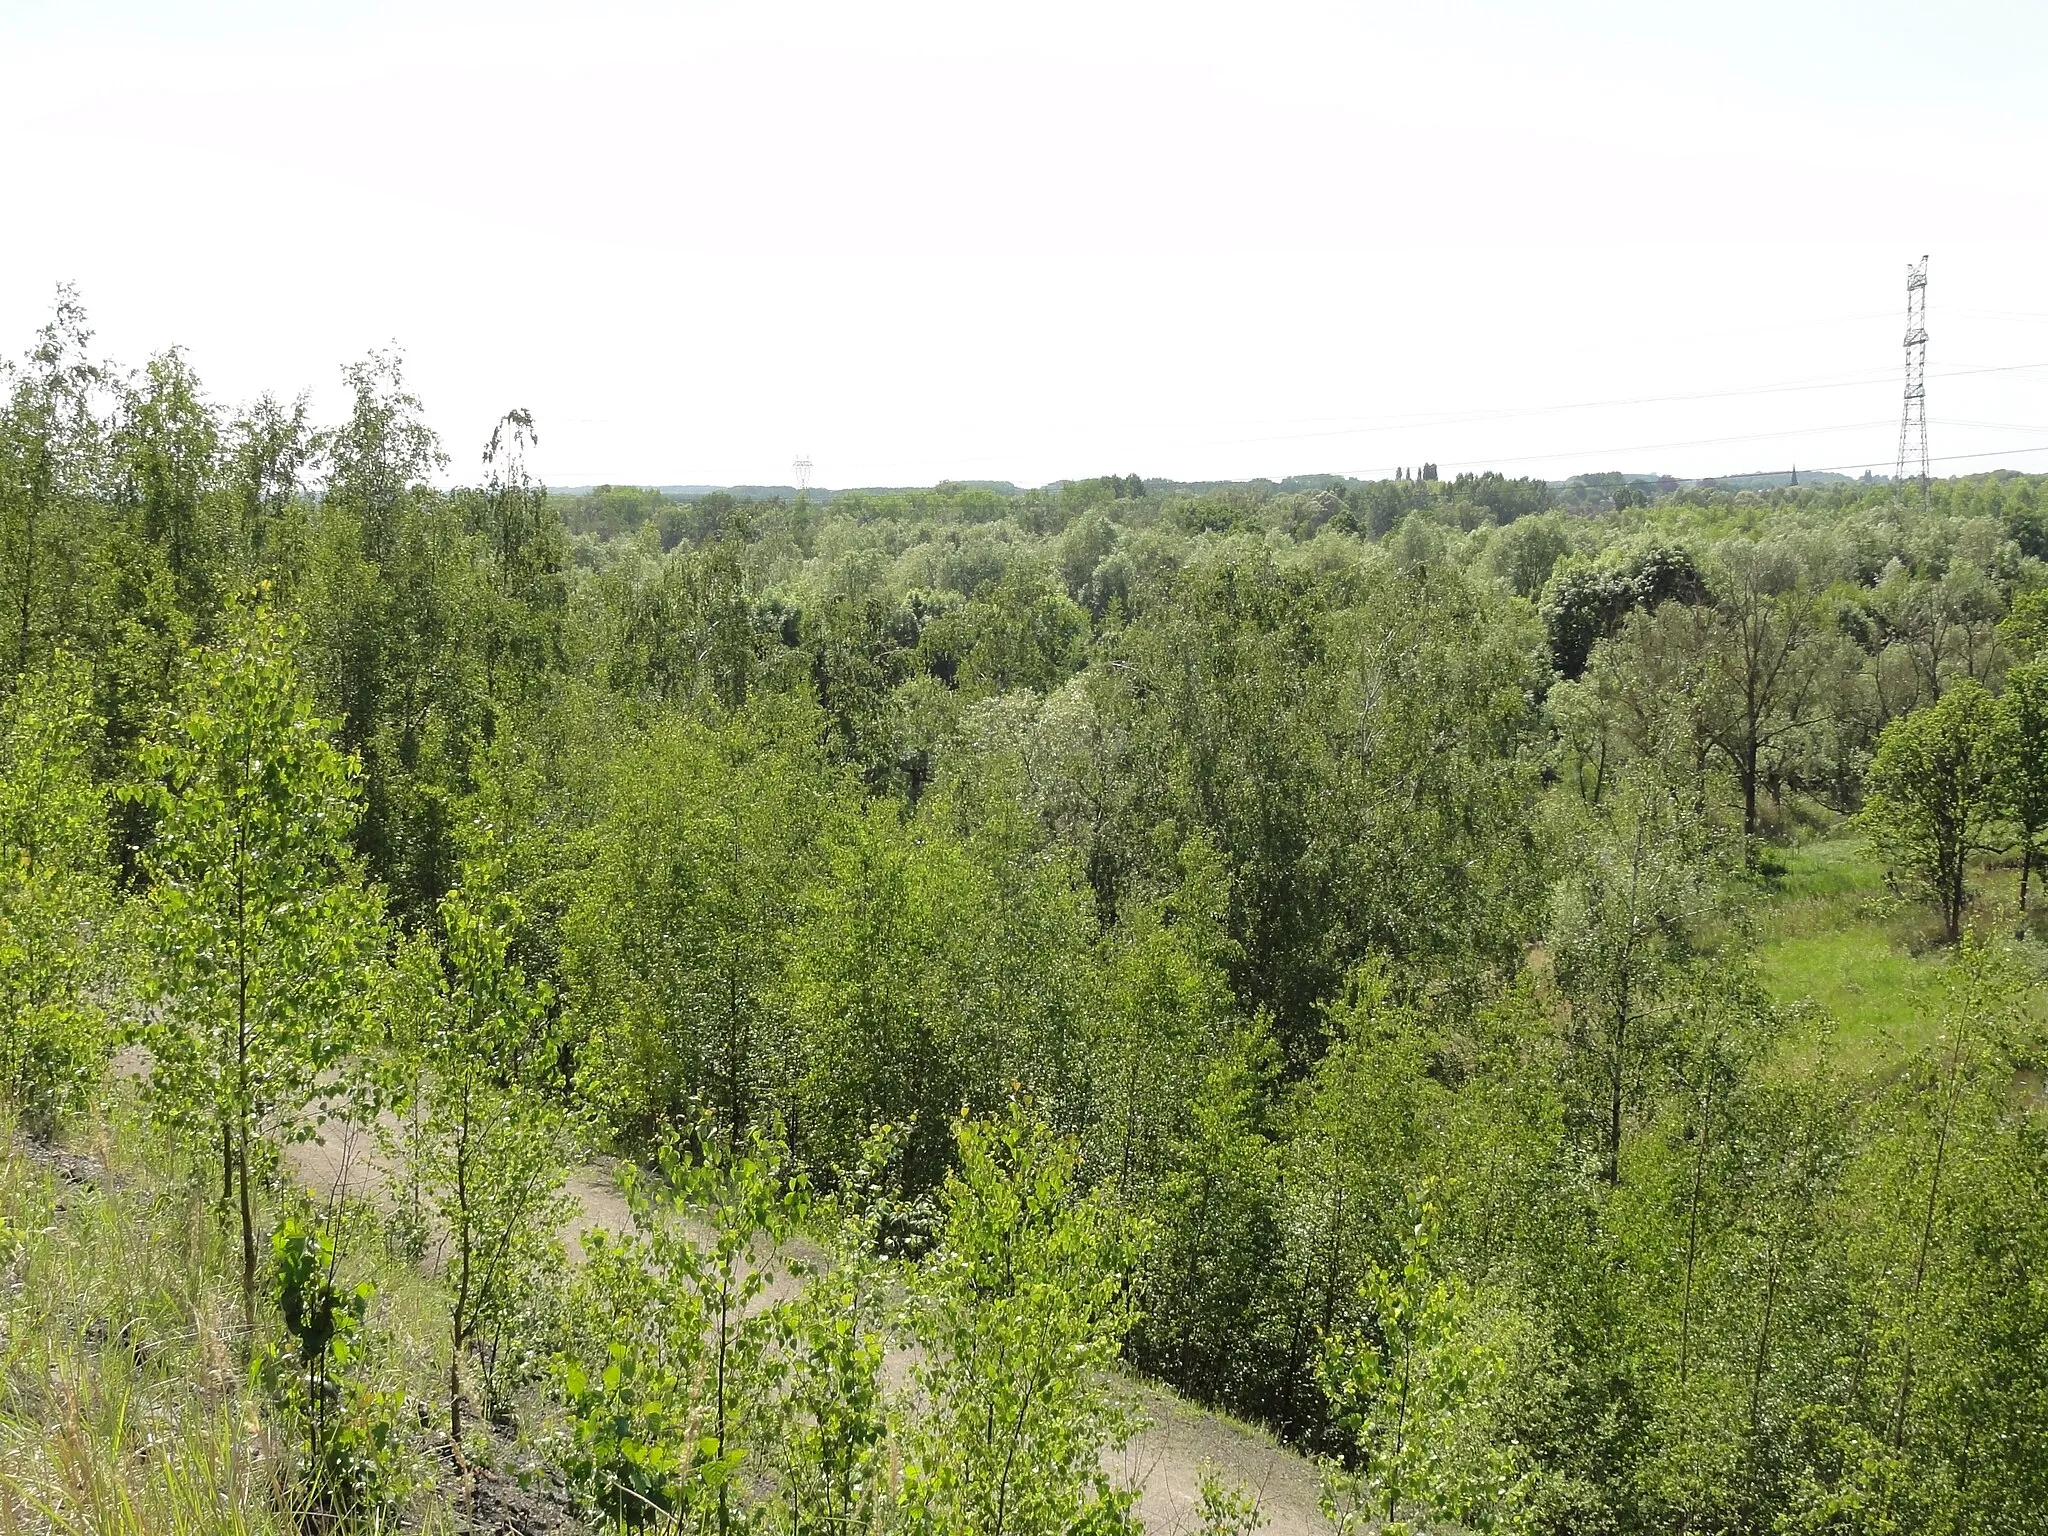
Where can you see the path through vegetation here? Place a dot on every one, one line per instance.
(1166, 1460)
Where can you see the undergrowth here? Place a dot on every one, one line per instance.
(127, 1406)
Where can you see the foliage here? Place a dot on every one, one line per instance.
(352, 1462)
(55, 896)
(484, 1138)
(1289, 846)
(672, 1423)
(261, 935)
(1934, 795)
(1416, 1399)
(1020, 1308)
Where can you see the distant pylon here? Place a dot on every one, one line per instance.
(802, 466)
(1913, 418)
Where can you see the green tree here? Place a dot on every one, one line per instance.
(1618, 944)
(2022, 752)
(1211, 1305)
(523, 552)
(167, 451)
(52, 443)
(1768, 656)
(487, 1143)
(1161, 1016)
(261, 930)
(679, 933)
(1933, 795)
(672, 1422)
(1020, 1308)
(55, 893)
(1416, 1391)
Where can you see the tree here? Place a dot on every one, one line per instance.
(1162, 1011)
(167, 448)
(1021, 1308)
(487, 1143)
(1209, 1293)
(261, 930)
(51, 441)
(674, 1420)
(55, 892)
(1766, 657)
(523, 553)
(269, 446)
(1933, 794)
(2022, 753)
(679, 932)
(1415, 1392)
(1617, 941)
(1581, 607)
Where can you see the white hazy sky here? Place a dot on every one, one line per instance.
(1022, 242)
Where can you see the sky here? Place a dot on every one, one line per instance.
(916, 242)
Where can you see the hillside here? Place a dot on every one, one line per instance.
(1527, 994)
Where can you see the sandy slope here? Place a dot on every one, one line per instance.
(1165, 1460)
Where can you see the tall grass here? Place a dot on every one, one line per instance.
(122, 1408)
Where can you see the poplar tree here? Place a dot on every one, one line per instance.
(261, 929)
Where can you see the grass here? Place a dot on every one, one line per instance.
(1832, 934)
(125, 1403)
(121, 1408)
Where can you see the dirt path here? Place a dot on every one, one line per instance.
(1166, 1460)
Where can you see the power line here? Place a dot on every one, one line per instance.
(1939, 458)
(1403, 424)
(1693, 442)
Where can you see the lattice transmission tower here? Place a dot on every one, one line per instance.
(802, 470)
(1913, 418)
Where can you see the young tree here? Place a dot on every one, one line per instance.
(1617, 939)
(1021, 1309)
(167, 448)
(1209, 1292)
(524, 557)
(1933, 794)
(1162, 1013)
(684, 920)
(262, 931)
(673, 1421)
(51, 441)
(2022, 755)
(487, 1143)
(268, 447)
(1415, 1392)
(55, 889)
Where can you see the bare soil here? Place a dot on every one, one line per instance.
(1166, 1460)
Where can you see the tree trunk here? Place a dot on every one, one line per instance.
(28, 577)
(1948, 1111)
(459, 1320)
(248, 1234)
(1692, 1240)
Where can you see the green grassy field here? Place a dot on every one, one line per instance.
(1830, 933)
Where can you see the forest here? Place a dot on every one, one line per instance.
(1529, 994)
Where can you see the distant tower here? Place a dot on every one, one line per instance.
(1914, 417)
(802, 466)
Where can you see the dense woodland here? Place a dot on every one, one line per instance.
(1294, 942)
